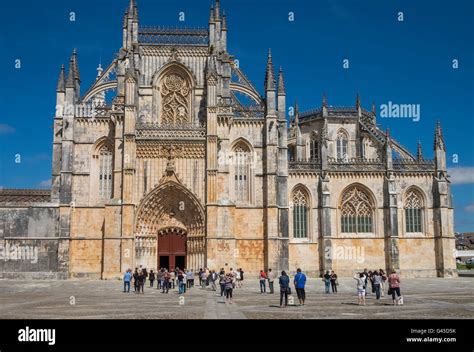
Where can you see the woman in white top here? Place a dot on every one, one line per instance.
(360, 278)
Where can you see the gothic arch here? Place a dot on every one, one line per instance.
(101, 170)
(242, 142)
(300, 216)
(414, 210)
(242, 171)
(171, 209)
(357, 210)
(173, 95)
(102, 141)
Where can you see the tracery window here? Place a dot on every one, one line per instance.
(241, 174)
(105, 173)
(356, 211)
(341, 145)
(175, 97)
(413, 211)
(300, 214)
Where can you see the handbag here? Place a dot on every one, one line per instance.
(389, 291)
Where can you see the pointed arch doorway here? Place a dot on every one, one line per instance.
(172, 216)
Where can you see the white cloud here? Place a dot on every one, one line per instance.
(45, 184)
(469, 208)
(461, 175)
(6, 129)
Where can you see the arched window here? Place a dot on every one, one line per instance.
(356, 211)
(341, 145)
(413, 211)
(300, 214)
(105, 173)
(314, 147)
(241, 173)
(175, 99)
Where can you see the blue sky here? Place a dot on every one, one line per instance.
(407, 62)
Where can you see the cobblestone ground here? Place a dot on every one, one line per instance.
(424, 299)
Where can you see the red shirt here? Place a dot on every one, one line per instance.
(394, 280)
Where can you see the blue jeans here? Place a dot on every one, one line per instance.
(182, 287)
(263, 287)
(126, 286)
(327, 284)
(377, 291)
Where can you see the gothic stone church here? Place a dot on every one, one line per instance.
(172, 157)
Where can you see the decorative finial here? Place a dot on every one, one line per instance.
(61, 80)
(281, 82)
(325, 103)
(270, 81)
(419, 152)
(373, 108)
(358, 101)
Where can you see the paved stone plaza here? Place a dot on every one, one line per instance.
(424, 298)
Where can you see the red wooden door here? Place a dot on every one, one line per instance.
(171, 245)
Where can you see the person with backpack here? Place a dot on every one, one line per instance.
(222, 281)
(360, 278)
(394, 288)
(141, 282)
(284, 282)
(152, 278)
(300, 282)
(126, 280)
(263, 278)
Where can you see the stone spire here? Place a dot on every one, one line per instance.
(217, 11)
(324, 133)
(281, 82)
(61, 81)
(224, 21)
(296, 119)
(325, 102)
(439, 139)
(71, 75)
(211, 15)
(77, 76)
(357, 101)
(419, 152)
(132, 10)
(270, 74)
(373, 108)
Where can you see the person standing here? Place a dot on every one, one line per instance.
(151, 278)
(141, 281)
(135, 281)
(229, 286)
(271, 279)
(377, 280)
(366, 278)
(241, 277)
(145, 275)
(382, 283)
(263, 279)
(284, 282)
(300, 282)
(181, 283)
(126, 280)
(222, 281)
(159, 278)
(237, 278)
(360, 278)
(394, 287)
(189, 278)
(334, 282)
(166, 281)
(327, 281)
(203, 279)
